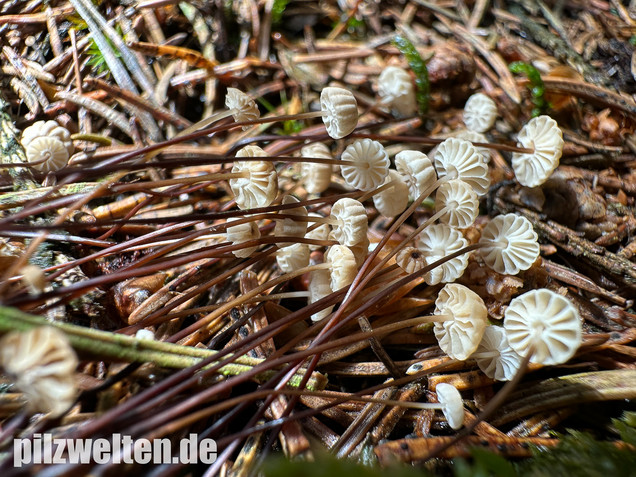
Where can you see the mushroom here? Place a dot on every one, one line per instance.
(417, 170)
(365, 164)
(257, 182)
(241, 233)
(342, 266)
(411, 259)
(145, 334)
(436, 242)
(316, 176)
(543, 136)
(545, 324)
(461, 319)
(480, 113)
(339, 111)
(320, 287)
(47, 154)
(459, 159)
(291, 227)
(321, 232)
(452, 405)
(293, 258)
(47, 129)
(393, 200)
(494, 355)
(349, 222)
(241, 106)
(473, 137)
(456, 204)
(509, 244)
(395, 87)
(43, 364)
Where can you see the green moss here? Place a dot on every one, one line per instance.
(537, 88)
(418, 66)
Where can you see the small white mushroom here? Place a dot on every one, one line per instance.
(543, 136)
(290, 227)
(47, 129)
(459, 159)
(511, 244)
(365, 164)
(480, 113)
(238, 234)
(145, 334)
(340, 111)
(545, 322)
(43, 364)
(320, 287)
(473, 137)
(292, 258)
(259, 186)
(317, 177)
(396, 89)
(452, 405)
(342, 266)
(436, 242)
(360, 250)
(349, 222)
(319, 233)
(394, 200)
(417, 170)
(495, 357)
(47, 154)
(411, 259)
(458, 202)
(464, 318)
(242, 107)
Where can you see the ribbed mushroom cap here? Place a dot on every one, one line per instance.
(495, 357)
(320, 287)
(242, 106)
(319, 233)
(416, 169)
(452, 405)
(241, 233)
(395, 87)
(360, 250)
(410, 259)
(459, 159)
(365, 164)
(261, 187)
(350, 222)
(459, 337)
(480, 113)
(290, 227)
(47, 154)
(436, 242)
(342, 265)
(292, 258)
(50, 129)
(317, 177)
(542, 134)
(394, 200)
(342, 111)
(473, 137)
(461, 202)
(511, 244)
(43, 364)
(545, 321)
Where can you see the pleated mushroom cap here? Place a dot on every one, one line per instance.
(396, 89)
(47, 129)
(494, 355)
(411, 259)
(459, 337)
(542, 134)
(317, 176)
(452, 404)
(511, 244)
(480, 113)
(320, 287)
(242, 106)
(461, 202)
(365, 164)
(241, 233)
(459, 159)
(394, 200)
(350, 222)
(290, 227)
(259, 189)
(293, 258)
(341, 110)
(546, 322)
(417, 170)
(47, 154)
(436, 242)
(342, 266)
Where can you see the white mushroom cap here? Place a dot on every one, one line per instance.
(395, 87)
(317, 177)
(360, 250)
(459, 159)
(43, 364)
(341, 111)
(410, 259)
(452, 405)
(461, 202)
(545, 321)
(241, 233)
(47, 153)
(145, 334)
(320, 287)
(292, 258)
(416, 169)
(473, 137)
(319, 233)
(436, 242)
(342, 265)
(365, 164)
(460, 336)
(350, 222)
(542, 134)
(495, 357)
(47, 129)
(261, 187)
(511, 244)
(242, 106)
(480, 113)
(290, 227)
(394, 200)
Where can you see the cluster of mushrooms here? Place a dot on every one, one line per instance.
(540, 324)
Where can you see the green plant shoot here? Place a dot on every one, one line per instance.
(537, 88)
(418, 66)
